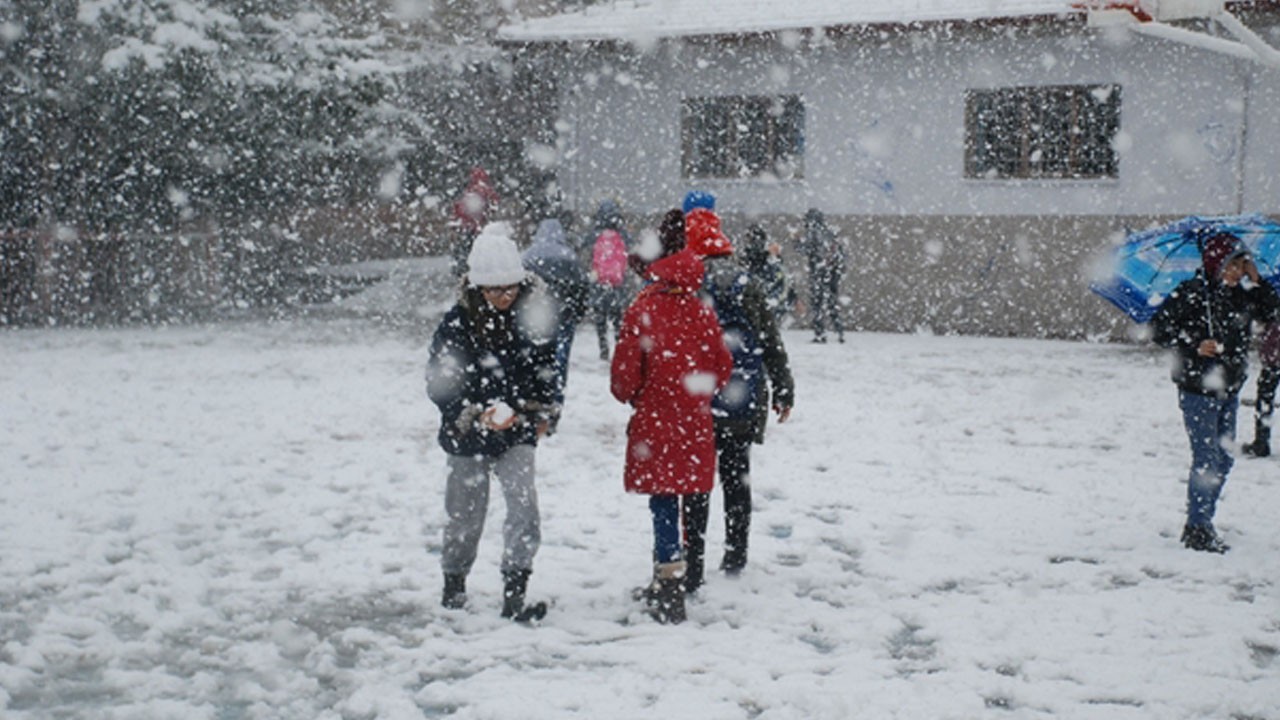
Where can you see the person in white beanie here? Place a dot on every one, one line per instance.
(491, 371)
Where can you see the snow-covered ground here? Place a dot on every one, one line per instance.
(243, 521)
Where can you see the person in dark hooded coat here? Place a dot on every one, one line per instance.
(763, 259)
(1265, 398)
(551, 258)
(826, 256)
(741, 408)
(1207, 322)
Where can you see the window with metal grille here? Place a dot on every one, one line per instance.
(1054, 132)
(742, 137)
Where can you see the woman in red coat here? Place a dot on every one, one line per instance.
(669, 362)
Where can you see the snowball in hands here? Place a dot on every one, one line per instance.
(499, 416)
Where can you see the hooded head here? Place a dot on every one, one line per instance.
(494, 260)
(549, 244)
(755, 247)
(550, 232)
(479, 177)
(683, 270)
(1219, 250)
(703, 234)
(608, 216)
(695, 199)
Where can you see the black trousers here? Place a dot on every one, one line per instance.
(1267, 381)
(824, 294)
(733, 457)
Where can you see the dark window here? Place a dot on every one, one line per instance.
(1062, 132)
(742, 137)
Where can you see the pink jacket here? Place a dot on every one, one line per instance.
(609, 258)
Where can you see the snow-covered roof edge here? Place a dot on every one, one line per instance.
(629, 20)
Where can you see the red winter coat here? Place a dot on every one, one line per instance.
(669, 361)
(471, 209)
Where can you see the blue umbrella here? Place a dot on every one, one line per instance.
(1147, 267)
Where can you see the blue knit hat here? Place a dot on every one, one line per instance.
(695, 199)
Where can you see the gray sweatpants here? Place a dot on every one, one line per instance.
(466, 500)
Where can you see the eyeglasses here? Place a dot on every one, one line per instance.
(501, 290)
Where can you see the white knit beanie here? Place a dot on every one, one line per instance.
(494, 260)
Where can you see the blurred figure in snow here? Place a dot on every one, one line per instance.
(1268, 378)
(1206, 320)
(826, 256)
(491, 371)
(471, 212)
(551, 259)
(763, 259)
(608, 243)
(669, 361)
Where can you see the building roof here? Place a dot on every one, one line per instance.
(652, 19)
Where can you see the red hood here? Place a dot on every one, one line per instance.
(703, 234)
(682, 270)
(479, 177)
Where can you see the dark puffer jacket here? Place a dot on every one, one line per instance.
(723, 272)
(480, 356)
(1197, 311)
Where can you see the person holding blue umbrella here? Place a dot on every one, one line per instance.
(1206, 321)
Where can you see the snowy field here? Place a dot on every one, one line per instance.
(243, 521)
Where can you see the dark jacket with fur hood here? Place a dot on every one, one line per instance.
(480, 356)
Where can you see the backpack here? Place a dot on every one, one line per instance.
(609, 258)
(737, 399)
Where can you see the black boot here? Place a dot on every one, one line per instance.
(455, 591)
(669, 607)
(733, 562)
(735, 548)
(696, 515)
(694, 573)
(1204, 539)
(1261, 445)
(514, 584)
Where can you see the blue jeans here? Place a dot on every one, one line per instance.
(564, 344)
(1211, 424)
(666, 527)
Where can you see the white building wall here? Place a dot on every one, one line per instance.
(885, 124)
(1262, 145)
